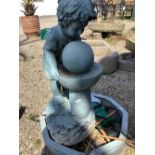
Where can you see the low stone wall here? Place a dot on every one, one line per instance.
(105, 26)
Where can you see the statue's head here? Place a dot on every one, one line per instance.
(74, 15)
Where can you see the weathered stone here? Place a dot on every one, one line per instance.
(87, 34)
(107, 26)
(130, 44)
(130, 39)
(126, 62)
(104, 55)
(97, 36)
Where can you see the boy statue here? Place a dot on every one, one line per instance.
(73, 16)
(61, 119)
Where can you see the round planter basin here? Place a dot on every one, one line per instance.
(78, 82)
(104, 55)
(111, 148)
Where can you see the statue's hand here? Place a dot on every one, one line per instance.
(50, 65)
(52, 75)
(55, 75)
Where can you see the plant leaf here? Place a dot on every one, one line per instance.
(29, 7)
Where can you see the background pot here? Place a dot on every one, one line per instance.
(31, 25)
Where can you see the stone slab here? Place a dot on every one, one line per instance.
(105, 55)
(130, 44)
(106, 26)
(97, 36)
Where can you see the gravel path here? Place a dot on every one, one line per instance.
(35, 92)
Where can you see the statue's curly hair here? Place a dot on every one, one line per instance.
(75, 10)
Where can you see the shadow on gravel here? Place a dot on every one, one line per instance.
(28, 40)
(21, 111)
(45, 151)
(24, 42)
(23, 56)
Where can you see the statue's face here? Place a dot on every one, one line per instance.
(74, 29)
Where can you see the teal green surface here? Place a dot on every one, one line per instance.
(100, 113)
(43, 33)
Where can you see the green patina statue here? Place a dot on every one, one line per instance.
(69, 65)
(73, 16)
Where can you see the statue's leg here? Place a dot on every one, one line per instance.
(65, 92)
(55, 88)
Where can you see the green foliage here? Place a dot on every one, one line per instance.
(37, 142)
(29, 7)
(33, 117)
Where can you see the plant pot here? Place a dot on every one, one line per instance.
(111, 148)
(31, 25)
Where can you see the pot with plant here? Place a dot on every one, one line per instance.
(30, 22)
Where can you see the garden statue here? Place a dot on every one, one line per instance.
(69, 65)
(69, 117)
(73, 16)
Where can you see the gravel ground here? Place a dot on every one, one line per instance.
(35, 90)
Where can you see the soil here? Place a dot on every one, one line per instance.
(35, 90)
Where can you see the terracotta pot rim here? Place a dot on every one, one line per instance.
(29, 16)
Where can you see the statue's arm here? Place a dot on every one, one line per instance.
(50, 65)
(49, 59)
